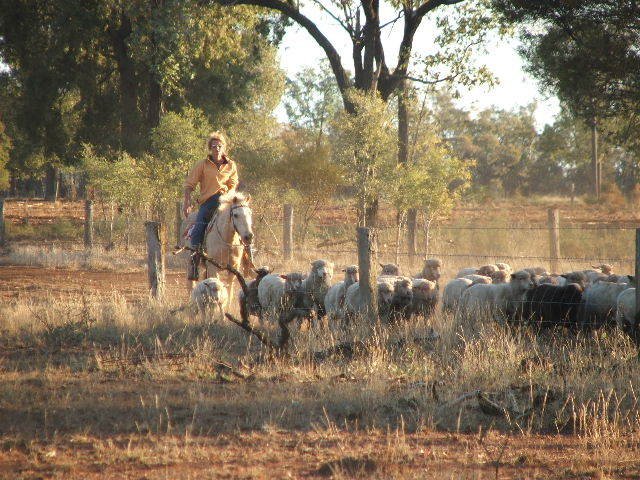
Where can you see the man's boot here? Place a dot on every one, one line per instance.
(194, 263)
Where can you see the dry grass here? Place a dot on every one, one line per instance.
(95, 386)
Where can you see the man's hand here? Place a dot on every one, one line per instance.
(186, 210)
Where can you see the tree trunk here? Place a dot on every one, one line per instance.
(594, 159)
(127, 85)
(403, 125)
(371, 213)
(52, 184)
(154, 106)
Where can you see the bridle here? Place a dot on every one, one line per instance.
(235, 228)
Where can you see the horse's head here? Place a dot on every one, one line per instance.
(240, 213)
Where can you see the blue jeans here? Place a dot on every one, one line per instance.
(205, 214)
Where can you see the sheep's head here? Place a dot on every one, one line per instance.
(604, 268)
(385, 294)
(501, 276)
(424, 289)
(402, 291)
(487, 270)
(322, 271)
(576, 277)
(214, 289)
(431, 269)
(351, 274)
(521, 281)
(293, 281)
(262, 272)
(505, 267)
(390, 269)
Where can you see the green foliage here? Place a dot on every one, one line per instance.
(5, 149)
(365, 146)
(117, 179)
(176, 144)
(312, 99)
(433, 180)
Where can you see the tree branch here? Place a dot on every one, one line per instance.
(345, 26)
(294, 14)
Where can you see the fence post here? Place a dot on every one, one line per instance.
(412, 216)
(88, 223)
(3, 238)
(637, 317)
(554, 238)
(156, 240)
(287, 231)
(178, 223)
(366, 264)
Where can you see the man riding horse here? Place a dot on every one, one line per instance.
(217, 174)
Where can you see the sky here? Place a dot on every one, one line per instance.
(515, 88)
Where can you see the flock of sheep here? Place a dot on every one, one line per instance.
(588, 298)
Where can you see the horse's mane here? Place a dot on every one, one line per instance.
(233, 197)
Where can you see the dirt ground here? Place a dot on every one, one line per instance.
(280, 455)
(21, 281)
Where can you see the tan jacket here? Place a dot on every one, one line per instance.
(211, 179)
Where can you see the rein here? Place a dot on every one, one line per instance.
(235, 229)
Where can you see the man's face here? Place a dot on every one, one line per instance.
(216, 149)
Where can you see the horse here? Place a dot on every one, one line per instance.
(227, 235)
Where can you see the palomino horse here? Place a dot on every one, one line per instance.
(227, 235)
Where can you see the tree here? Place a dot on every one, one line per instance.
(586, 52)
(362, 22)
(365, 147)
(5, 148)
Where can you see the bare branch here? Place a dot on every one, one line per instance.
(344, 25)
(294, 13)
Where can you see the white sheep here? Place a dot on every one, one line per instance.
(453, 291)
(209, 295)
(316, 285)
(497, 299)
(431, 269)
(475, 278)
(389, 269)
(354, 304)
(334, 299)
(466, 271)
(505, 267)
(279, 293)
(425, 297)
(626, 312)
(599, 303)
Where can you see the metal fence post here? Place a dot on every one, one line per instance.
(637, 273)
(156, 240)
(554, 238)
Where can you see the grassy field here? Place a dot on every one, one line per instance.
(99, 381)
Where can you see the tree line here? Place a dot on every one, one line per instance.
(106, 92)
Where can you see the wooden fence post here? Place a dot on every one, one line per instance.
(287, 231)
(88, 223)
(367, 263)
(412, 224)
(3, 233)
(637, 317)
(156, 240)
(178, 223)
(554, 238)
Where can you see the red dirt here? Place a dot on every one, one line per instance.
(19, 281)
(326, 454)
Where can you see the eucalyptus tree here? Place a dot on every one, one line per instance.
(379, 70)
(586, 52)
